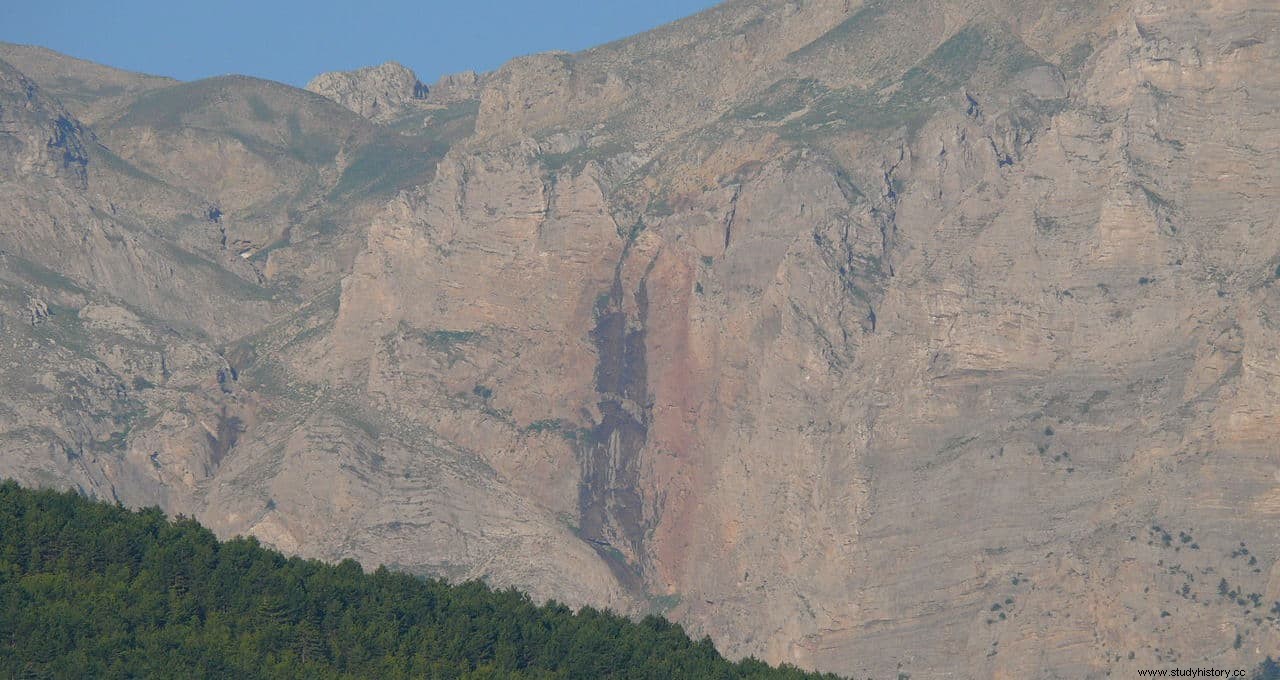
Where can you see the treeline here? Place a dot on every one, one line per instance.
(89, 589)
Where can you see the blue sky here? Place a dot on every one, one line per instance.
(291, 41)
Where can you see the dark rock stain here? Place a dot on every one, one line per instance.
(67, 141)
(224, 439)
(610, 503)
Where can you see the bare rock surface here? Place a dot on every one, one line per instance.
(934, 338)
(375, 92)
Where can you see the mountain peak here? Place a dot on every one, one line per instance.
(375, 92)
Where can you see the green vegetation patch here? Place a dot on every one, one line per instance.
(664, 603)
(454, 121)
(1073, 61)
(260, 110)
(279, 120)
(165, 107)
(783, 99)
(314, 145)
(95, 590)
(448, 340)
(225, 278)
(547, 425)
(861, 26)
(113, 161)
(387, 164)
(41, 275)
(810, 108)
(578, 158)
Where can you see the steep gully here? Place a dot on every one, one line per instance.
(610, 503)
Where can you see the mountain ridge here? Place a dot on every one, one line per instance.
(696, 322)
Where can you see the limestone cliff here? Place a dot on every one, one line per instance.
(928, 337)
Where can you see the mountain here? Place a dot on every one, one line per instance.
(86, 88)
(927, 338)
(92, 590)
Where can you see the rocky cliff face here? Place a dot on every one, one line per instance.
(935, 338)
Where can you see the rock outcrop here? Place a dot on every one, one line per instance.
(379, 93)
(925, 338)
